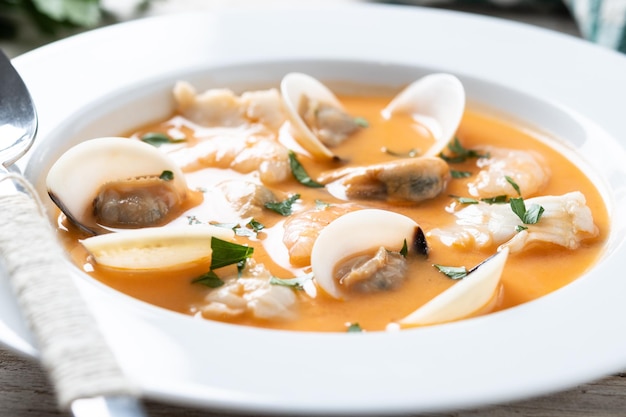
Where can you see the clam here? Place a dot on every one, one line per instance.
(155, 248)
(357, 233)
(436, 102)
(317, 117)
(464, 298)
(116, 182)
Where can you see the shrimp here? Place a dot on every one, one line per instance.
(403, 180)
(221, 107)
(566, 221)
(253, 294)
(302, 229)
(243, 149)
(527, 169)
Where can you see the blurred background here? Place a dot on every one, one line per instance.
(27, 24)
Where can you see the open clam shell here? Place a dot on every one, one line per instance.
(354, 233)
(155, 248)
(465, 297)
(436, 102)
(75, 179)
(294, 87)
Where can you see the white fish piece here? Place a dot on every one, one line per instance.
(526, 168)
(222, 107)
(155, 248)
(566, 221)
(252, 294)
(356, 233)
(247, 198)
(462, 299)
(317, 117)
(435, 101)
(85, 173)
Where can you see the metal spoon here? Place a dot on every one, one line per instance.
(81, 366)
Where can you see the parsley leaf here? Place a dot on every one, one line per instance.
(361, 122)
(228, 253)
(354, 328)
(527, 216)
(452, 272)
(210, 279)
(499, 199)
(300, 173)
(460, 153)
(284, 208)
(296, 283)
(513, 184)
(158, 139)
(405, 249)
(460, 174)
(167, 175)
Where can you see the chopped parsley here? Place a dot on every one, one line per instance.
(210, 279)
(513, 184)
(321, 205)
(354, 328)
(460, 153)
(158, 139)
(405, 249)
(167, 175)
(460, 174)
(361, 122)
(452, 272)
(224, 253)
(284, 208)
(300, 173)
(296, 283)
(530, 215)
(228, 253)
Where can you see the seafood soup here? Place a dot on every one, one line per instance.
(296, 208)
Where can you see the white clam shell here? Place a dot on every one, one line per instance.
(436, 102)
(292, 87)
(463, 298)
(155, 248)
(77, 175)
(354, 233)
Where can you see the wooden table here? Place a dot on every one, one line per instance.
(25, 392)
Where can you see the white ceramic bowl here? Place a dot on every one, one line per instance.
(552, 343)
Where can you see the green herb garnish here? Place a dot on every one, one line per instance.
(361, 122)
(499, 199)
(460, 153)
(530, 215)
(284, 208)
(513, 184)
(460, 174)
(296, 283)
(167, 175)
(158, 139)
(210, 279)
(354, 328)
(405, 249)
(300, 173)
(452, 272)
(226, 253)
(321, 205)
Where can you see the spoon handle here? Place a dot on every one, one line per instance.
(79, 362)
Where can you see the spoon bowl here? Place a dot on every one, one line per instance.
(18, 118)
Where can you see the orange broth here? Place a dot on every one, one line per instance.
(528, 275)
